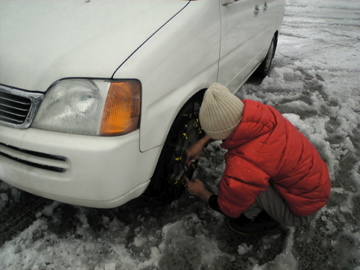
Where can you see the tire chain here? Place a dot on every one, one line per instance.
(19, 215)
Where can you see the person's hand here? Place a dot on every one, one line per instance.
(194, 152)
(197, 188)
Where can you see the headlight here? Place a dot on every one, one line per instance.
(91, 107)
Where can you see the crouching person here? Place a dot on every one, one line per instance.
(273, 174)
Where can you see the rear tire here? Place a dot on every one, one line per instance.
(264, 68)
(185, 131)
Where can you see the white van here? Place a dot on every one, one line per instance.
(99, 99)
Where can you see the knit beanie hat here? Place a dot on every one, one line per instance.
(220, 112)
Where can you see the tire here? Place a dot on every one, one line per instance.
(264, 68)
(185, 131)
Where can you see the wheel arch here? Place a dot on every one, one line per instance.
(185, 128)
(197, 96)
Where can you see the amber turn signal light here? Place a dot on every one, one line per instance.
(122, 108)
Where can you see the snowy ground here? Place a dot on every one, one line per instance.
(315, 82)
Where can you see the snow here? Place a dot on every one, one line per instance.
(285, 260)
(315, 84)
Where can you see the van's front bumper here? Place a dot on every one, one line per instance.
(101, 172)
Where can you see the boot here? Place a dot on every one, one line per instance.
(262, 223)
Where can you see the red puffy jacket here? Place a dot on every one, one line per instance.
(265, 149)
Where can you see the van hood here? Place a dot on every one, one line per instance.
(44, 41)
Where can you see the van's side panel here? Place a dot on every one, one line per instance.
(247, 28)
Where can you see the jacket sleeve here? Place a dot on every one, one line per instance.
(213, 203)
(241, 183)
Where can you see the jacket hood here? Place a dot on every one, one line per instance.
(257, 120)
(44, 41)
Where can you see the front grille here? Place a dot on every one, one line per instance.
(18, 107)
(14, 109)
(39, 160)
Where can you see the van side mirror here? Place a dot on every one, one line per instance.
(228, 2)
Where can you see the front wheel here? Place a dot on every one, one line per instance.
(185, 131)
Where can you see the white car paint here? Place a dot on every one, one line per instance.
(188, 47)
(247, 29)
(100, 171)
(54, 39)
(174, 48)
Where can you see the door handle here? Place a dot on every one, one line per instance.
(257, 10)
(228, 2)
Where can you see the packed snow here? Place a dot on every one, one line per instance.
(315, 83)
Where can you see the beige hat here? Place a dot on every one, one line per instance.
(220, 112)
